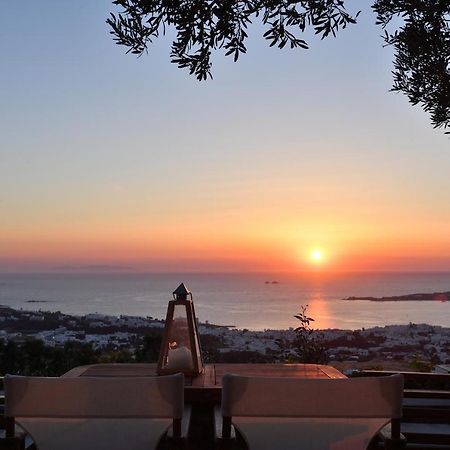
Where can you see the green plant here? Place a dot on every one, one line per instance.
(308, 343)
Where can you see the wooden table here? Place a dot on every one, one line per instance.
(206, 388)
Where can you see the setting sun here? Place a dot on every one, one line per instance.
(316, 255)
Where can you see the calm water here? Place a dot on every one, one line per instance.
(236, 299)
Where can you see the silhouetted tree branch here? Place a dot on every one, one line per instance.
(421, 42)
(422, 52)
(206, 25)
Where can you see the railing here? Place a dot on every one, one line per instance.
(416, 380)
(426, 407)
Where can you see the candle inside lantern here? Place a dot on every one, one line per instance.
(179, 359)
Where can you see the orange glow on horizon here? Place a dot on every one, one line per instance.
(236, 242)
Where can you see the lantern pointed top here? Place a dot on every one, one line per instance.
(181, 292)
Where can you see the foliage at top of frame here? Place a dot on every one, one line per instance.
(421, 42)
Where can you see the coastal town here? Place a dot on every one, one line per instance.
(402, 345)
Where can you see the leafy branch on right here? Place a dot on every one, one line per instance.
(422, 53)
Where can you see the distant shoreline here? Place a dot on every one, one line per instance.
(435, 296)
(6, 310)
(399, 344)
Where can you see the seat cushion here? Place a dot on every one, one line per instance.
(307, 434)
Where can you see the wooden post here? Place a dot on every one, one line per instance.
(396, 441)
(176, 425)
(395, 429)
(226, 427)
(10, 427)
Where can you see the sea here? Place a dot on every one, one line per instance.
(253, 301)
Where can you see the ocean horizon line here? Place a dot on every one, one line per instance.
(130, 270)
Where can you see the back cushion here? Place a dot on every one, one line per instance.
(301, 397)
(91, 397)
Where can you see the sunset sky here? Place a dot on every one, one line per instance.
(111, 160)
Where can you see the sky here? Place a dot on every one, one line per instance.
(113, 161)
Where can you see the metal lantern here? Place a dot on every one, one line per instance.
(180, 347)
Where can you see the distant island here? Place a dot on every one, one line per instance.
(37, 301)
(435, 296)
